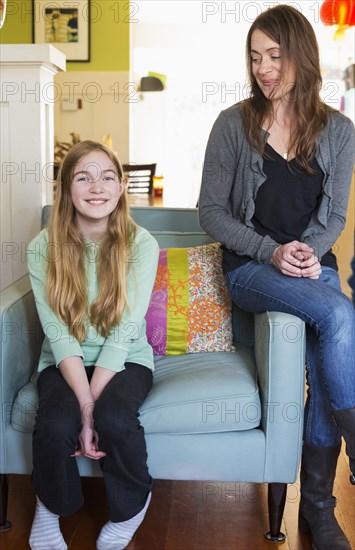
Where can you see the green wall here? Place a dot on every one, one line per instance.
(109, 33)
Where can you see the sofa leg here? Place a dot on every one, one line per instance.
(4, 491)
(276, 502)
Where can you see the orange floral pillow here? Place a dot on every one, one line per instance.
(190, 308)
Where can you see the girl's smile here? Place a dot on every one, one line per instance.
(95, 192)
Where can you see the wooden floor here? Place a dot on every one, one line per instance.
(183, 516)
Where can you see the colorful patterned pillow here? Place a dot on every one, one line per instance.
(190, 308)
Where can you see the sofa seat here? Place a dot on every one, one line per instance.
(203, 393)
(191, 394)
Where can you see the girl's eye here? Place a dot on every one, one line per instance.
(83, 178)
(109, 178)
(255, 59)
(275, 57)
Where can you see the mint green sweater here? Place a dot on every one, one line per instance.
(127, 342)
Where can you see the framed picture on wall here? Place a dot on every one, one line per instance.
(65, 24)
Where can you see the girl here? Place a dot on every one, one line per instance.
(275, 191)
(92, 272)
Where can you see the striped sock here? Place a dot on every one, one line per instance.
(45, 532)
(116, 536)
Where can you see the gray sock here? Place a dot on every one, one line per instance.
(45, 532)
(116, 536)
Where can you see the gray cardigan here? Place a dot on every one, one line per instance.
(233, 172)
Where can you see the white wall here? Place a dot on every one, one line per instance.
(200, 46)
(94, 104)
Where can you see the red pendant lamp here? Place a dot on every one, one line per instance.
(338, 12)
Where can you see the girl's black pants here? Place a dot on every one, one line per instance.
(55, 475)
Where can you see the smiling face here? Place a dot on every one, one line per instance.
(95, 191)
(275, 76)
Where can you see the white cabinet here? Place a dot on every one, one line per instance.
(26, 147)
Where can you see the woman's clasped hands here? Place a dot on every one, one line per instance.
(296, 259)
(88, 444)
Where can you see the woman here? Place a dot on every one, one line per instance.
(275, 190)
(352, 276)
(92, 272)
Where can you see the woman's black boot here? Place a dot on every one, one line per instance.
(345, 420)
(316, 514)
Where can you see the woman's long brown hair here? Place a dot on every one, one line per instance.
(295, 35)
(67, 253)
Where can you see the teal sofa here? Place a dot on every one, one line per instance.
(226, 416)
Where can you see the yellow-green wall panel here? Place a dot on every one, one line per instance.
(109, 33)
(17, 28)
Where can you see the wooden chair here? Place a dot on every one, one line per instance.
(139, 177)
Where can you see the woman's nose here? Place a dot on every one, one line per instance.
(265, 66)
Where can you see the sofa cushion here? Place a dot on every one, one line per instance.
(205, 393)
(190, 308)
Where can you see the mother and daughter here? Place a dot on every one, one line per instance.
(275, 192)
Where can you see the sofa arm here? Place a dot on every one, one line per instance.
(21, 340)
(280, 359)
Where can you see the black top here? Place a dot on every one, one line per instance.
(284, 205)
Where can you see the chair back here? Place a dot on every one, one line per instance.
(139, 177)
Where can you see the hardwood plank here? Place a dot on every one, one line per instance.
(297, 540)
(82, 528)
(156, 523)
(183, 515)
(183, 518)
(21, 507)
(345, 495)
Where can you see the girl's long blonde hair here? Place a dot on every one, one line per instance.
(67, 291)
(289, 28)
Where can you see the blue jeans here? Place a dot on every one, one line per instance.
(330, 318)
